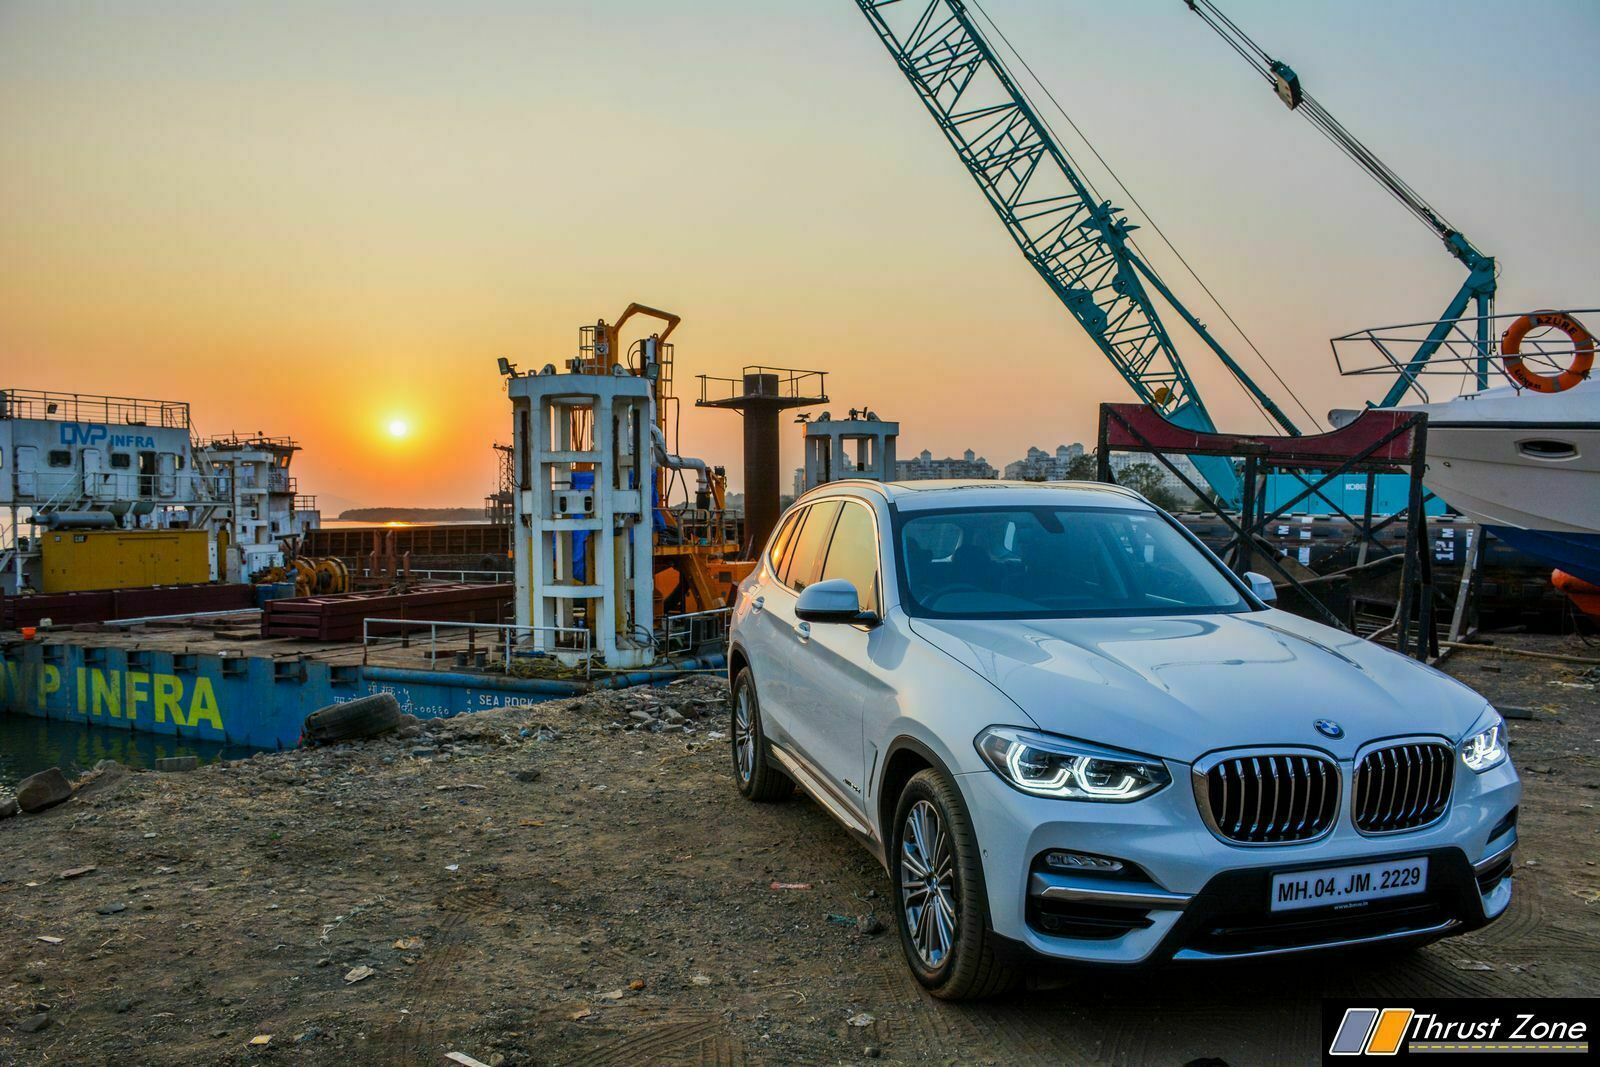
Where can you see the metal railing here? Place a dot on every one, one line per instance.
(463, 576)
(781, 383)
(682, 634)
(1388, 350)
(460, 643)
(256, 442)
(88, 407)
(707, 526)
(62, 489)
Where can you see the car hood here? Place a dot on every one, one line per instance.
(1182, 686)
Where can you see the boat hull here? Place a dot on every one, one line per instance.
(1526, 466)
(1576, 553)
(1494, 473)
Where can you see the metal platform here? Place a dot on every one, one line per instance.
(340, 617)
(1376, 441)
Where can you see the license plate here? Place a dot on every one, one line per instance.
(1349, 885)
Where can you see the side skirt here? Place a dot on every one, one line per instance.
(817, 788)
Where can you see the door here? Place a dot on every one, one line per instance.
(27, 472)
(780, 661)
(835, 665)
(167, 475)
(96, 483)
(765, 629)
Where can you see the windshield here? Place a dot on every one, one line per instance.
(1054, 562)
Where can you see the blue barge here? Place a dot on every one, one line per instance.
(256, 700)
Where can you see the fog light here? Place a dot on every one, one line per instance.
(1081, 861)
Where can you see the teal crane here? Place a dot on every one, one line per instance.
(1078, 243)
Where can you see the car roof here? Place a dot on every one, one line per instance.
(987, 493)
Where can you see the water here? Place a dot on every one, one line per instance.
(30, 745)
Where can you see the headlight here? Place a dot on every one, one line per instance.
(1485, 748)
(1055, 767)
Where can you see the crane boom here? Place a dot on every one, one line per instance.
(1077, 242)
(1478, 289)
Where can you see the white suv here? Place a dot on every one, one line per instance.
(1069, 732)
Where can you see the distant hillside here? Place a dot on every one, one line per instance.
(411, 515)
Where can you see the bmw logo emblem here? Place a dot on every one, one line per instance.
(1329, 728)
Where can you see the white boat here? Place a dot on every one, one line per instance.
(1523, 464)
(1526, 466)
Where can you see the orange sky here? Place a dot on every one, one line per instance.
(313, 218)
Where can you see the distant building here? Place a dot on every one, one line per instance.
(1041, 466)
(924, 467)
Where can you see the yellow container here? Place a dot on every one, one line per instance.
(76, 560)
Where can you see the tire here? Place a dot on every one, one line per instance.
(953, 964)
(758, 779)
(353, 720)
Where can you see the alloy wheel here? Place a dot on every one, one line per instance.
(744, 736)
(927, 884)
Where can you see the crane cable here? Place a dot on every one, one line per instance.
(978, 6)
(1330, 127)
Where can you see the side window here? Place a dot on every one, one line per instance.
(853, 554)
(805, 560)
(121, 460)
(60, 457)
(783, 538)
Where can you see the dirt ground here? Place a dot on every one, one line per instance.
(616, 907)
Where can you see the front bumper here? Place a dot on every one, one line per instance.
(1191, 896)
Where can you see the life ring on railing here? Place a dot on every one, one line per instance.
(1582, 352)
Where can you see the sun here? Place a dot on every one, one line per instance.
(399, 428)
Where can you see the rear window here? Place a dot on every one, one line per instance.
(1032, 563)
(805, 560)
(782, 539)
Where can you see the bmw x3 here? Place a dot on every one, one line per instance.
(1069, 732)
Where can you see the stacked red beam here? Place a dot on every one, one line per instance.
(140, 602)
(339, 617)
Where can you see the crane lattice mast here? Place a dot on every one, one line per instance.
(1077, 242)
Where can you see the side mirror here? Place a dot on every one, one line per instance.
(834, 600)
(1261, 586)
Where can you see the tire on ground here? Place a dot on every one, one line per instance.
(973, 967)
(766, 784)
(363, 717)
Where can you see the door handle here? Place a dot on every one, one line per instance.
(758, 603)
(804, 630)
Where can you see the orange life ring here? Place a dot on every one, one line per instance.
(1582, 352)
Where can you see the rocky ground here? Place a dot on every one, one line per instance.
(579, 882)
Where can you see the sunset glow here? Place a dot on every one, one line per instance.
(257, 228)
